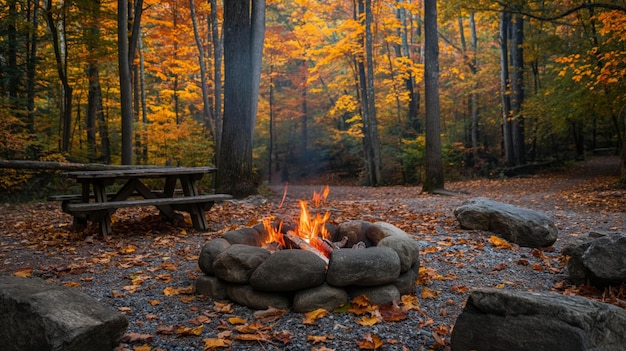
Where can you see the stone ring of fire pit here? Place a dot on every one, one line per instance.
(236, 266)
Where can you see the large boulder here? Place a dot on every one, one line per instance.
(521, 226)
(35, 315)
(600, 261)
(497, 319)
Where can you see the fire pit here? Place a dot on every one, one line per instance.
(310, 264)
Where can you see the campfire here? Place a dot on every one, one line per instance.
(309, 263)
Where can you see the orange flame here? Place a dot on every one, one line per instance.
(310, 229)
(320, 197)
(274, 234)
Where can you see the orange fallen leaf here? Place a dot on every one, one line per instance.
(283, 336)
(410, 302)
(144, 347)
(428, 293)
(214, 343)
(317, 338)
(370, 342)
(169, 291)
(393, 312)
(367, 321)
(154, 302)
(500, 243)
(185, 331)
(237, 320)
(136, 337)
(311, 317)
(72, 284)
(165, 330)
(168, 266)
(23, 272)
(461, 289)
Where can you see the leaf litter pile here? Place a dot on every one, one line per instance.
(148, 268)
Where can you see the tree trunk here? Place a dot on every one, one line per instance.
(207, 118)
(66, 109)
(126, 98)
(31, 67)
(217, 79)
(507, 135)
(414, 125)
(433, 178)
(517, 90)
(365, 112)
(244, 22)
(371, 97)
(474, 97)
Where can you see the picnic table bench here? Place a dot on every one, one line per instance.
(95, 204)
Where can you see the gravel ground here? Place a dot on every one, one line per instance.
(148, 268)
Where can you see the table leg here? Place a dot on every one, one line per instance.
(100, 195)
(196, 211)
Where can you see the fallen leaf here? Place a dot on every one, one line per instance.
(500, 243)
(169, 291)
(154, 302)
(270, 314)
(367, 321)
(283, 336)
(461, 289)
(223, 307)
(185, 331)
(311, 317)
(165, 330)
(23, 272)
(370, 342)
(393, 312)
(71, 284)
(237, 321)
(144, 347)
(214, 343)
(428, 293)
(317, 338)
(136, 337)
(410, 302)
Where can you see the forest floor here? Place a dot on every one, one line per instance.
(148, 268)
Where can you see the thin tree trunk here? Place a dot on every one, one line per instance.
(207, 118)
(433, 179)
(517, 90)
(66, 109)
(507, 135)
(126, 98)
(31, 67)
(371, 97)
(474, 97)
(217, 79)
(365, 112)
(144, 106)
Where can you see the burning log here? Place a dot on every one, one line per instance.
(303, 245)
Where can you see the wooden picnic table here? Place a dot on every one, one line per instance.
(96, 204)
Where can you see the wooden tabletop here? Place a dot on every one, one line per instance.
(140, 172)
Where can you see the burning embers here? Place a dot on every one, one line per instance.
(309, 264)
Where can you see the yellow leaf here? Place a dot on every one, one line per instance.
(237, 320)
(144, 347)
(169, 291)
(411, 302)
(314, 315)
(213, 343)
(23, 272)
(129, 249)
(500, 243)
(428, 293)
(184, 331)
(154, 302)
(367, 321)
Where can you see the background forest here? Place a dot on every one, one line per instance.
(520, 82)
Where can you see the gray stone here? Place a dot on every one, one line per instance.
(244, 236)
(237, 263)
(406, 281)
(380, 230)
(379, 295)
(289, 270)
(35, 315)
(498, 319)
(355, 231)
(208, 253)
(408, 250)
(364, 267)
(211, 286)
(600, 261)
(323, 296)
(521, 226)
(260, 300)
